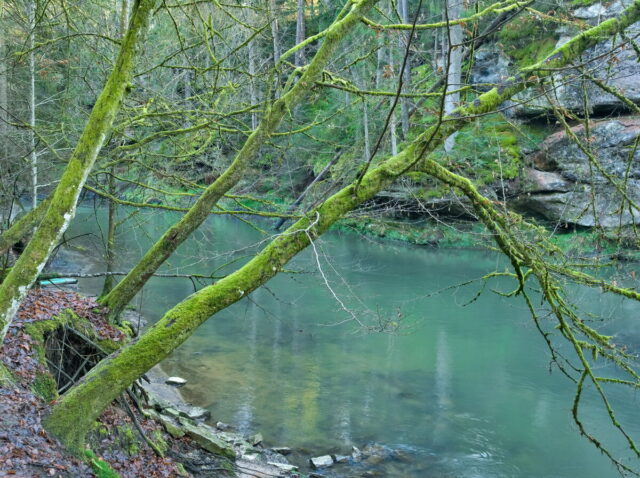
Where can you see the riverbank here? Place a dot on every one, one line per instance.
(575, 242)
(151, 431)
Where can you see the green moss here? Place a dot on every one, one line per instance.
(528, 39)
(100, 467)
(45, 387)
(158, 439)
(487, 150)
(6, 377)
(129, 440)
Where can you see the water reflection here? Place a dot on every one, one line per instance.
(466, 393)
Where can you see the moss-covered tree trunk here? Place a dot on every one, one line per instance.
(128, 287)
(63, 203)
(77, 409)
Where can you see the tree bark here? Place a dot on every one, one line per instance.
(76, 410)
(127, 288)
(63, 204)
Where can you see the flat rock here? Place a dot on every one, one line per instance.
(341, 458)
(323, 461)
(175, 381)
(208, 438)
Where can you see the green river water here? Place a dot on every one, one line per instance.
(462, 390)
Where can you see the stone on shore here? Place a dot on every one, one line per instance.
(282, 450)
(323, 461)
(208, 439)
(255, 439)
(175, 381)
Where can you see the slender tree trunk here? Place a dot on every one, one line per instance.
(111, 235)
(393, 135)
(454, 68)
(300, 33)
(252, 83)
(403, 40)
(63, 204)
(33, 156)
(275, 33)
(380, 60)
(365, 127)
(4, 104)
(128, 287)
(112, 213)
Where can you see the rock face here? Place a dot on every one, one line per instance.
(613, 62)
(564, 181)
(490, 67)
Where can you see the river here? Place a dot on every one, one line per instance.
(462, 389)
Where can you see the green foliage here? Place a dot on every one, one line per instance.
(45, 387)
(487, 150)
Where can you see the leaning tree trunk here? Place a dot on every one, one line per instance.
(128, 287)
(75, 412)
(63, 204)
